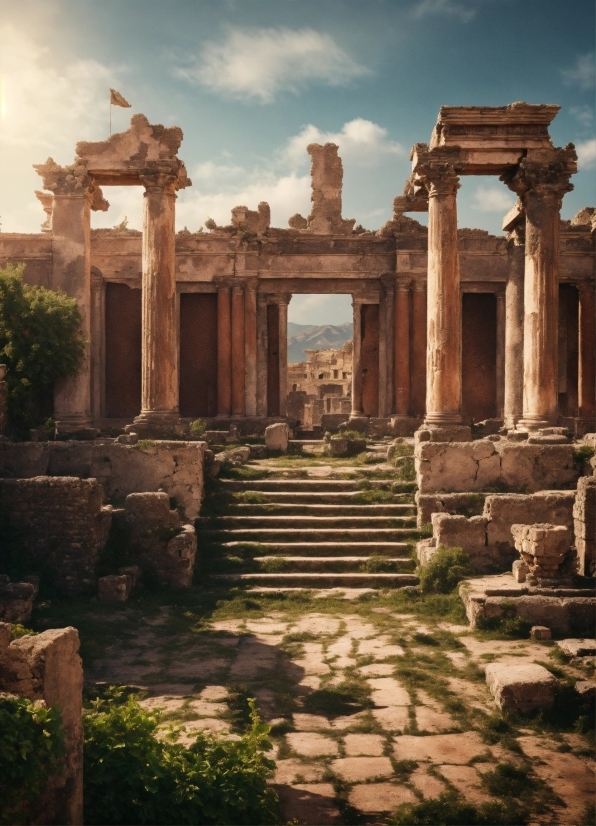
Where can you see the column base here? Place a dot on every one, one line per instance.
(160, 424)
(435, 433)
(531, 423)
(76, 428)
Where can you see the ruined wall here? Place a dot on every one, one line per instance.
(175, 467)
(60, 526)
(584, 525)
(504, 465)
(47, 668)
(198, 354)
(123, 351)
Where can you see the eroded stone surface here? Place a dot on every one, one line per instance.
(310, 744)
(379, 797)
(364, 744)
(522, 687)
(358, 769)
(456, 749)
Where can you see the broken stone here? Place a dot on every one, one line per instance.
(540, 632)
(277, 436)
(114, 588)
(16, 600)
(523, 687)
(578, 648)
(543, 547)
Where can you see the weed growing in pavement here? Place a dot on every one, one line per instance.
(451, 810)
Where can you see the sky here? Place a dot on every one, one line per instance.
(252, 82)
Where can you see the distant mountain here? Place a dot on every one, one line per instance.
(302, 337)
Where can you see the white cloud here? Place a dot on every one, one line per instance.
(361, 143)
(48, 106)
(260, 63)
(493, 199)
(586, 154)
(583, 74)
(583, 115)
(425, 8)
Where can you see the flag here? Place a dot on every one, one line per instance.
(116, 99)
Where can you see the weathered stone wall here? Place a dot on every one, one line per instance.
(584, 525)
(484, 464)
(60, 525)
(175, 467)
(47, 668)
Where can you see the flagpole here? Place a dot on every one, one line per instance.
(110, 116)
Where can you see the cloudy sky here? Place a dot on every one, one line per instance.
(252, 82)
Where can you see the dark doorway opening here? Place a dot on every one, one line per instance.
(198, 354)
(123, 351)
(479, 356)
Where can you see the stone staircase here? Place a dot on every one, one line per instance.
(313, 533)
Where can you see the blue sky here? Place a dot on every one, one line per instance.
(252, 82)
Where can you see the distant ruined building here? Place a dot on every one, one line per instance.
(320, 389)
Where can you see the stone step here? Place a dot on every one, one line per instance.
(327, 580)
(301, 485)
(308, 522)
(303, 535)
(316, 498)
(331, 564)
(307, 509)
(328, 548)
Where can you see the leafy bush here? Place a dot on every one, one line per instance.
(31, 745)
(451, 810)
(198, 427)
(447, 567)
(134, 776)
(40, 341)
(349, 434)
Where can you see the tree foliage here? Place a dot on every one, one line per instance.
(40, 341)
(31, 745)
(135, 775)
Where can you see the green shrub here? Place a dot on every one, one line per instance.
(349, 434)
(405, 468)
(450, 810)
(31, 745)
(134, 776)
(40, 341)
(447, 567)
(198, 427)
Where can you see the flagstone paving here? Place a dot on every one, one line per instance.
(376, 697)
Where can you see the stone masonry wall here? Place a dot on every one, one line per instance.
(47, 668)
(60, 524)
(584, 525)
(482, 464)
(175, 467)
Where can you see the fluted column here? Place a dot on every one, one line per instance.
(386, 345)
(587, 351)
(262, 347)
(514, 330)
(282, 303)
(541, 179)
(443, 376)
(159, 366)
(224, 349)
(98, 341)
(357, 409)
(418, 360)
(238, 345)
(250, 346)
(402, 347)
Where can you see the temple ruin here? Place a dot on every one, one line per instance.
(451, 326)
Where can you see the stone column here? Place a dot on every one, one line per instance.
(357, 410)
(250, 346)
(386, 344)
(514, 330)
(402, 348)
(282, 303)
(541, 179)
(238, 345)
(587, 351)
(262, 345)
(500, 365)
(418, 360)
(98, 344)
(443, 376)
(159, 370)
(224, 349)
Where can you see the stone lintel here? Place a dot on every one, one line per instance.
(514, 217)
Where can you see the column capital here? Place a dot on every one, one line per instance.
(280, 298)
(251, 284)
(223, 282)
(544, 173)
(388, 281)
(71, 181)
(237, 287)
(403, 284)
(419, 286)
(516, 237)
(158, 180)
(437, 169)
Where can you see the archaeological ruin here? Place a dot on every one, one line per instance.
(387, 545)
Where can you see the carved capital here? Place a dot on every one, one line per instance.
(251, 284)
(436, 169)
(223, 282)
(238, 287)
(545, 173)
(402, 285)
(159, 180)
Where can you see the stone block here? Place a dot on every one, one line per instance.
(114, 588)
(459, 532)
(540, 632)
(584, 525)
(462, 504)
(338, 447)
(258, 451)
(5, 635)
(543, 547)
(177, 568)
(520, 570)
(524, 687)
(505, 509)
(235, 457)
(277, 436)
(134, 572)
(586, 692)
(578, 647)
(16, 601)
(148, 510)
